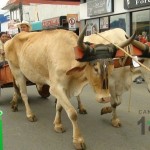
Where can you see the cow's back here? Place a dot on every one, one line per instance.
(116, 35)
(42, 52)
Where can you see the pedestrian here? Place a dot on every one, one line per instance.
(3, 39)
(24, 26)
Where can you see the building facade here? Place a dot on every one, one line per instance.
(129, 15)
(36, 11)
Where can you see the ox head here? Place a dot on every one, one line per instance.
(99, 67)
(97, 72)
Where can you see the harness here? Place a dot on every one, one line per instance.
(106, 55)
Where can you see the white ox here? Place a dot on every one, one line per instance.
(121, 78)
(48, 58)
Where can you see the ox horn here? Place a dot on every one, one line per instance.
(139, 45)
(127, 42)
(81, 38)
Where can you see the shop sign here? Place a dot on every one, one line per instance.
(131, 4)
(98, 7)
(53, 22)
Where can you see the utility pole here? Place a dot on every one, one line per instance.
(21, 10)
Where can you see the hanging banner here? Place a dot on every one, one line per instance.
(54, 22)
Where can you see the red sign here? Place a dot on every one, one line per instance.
(51, 22)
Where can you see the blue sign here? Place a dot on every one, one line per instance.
(4, 18)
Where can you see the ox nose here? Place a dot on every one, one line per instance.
(104, 99)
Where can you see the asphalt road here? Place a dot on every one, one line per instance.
(20, 134)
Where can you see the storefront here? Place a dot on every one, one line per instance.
(129, 15)
(140, 20)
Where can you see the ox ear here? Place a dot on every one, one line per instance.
(75, 70)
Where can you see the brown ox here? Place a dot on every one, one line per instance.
(48, 58)
(121, 78)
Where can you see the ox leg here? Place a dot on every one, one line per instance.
(57, 122)
(21, 83)
(16, 96)
(82, 110)
(62, 99)
(23, 90)
(115, 120)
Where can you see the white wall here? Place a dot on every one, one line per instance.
(4, 27)
(46, 11)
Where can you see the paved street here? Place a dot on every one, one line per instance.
(19, 134)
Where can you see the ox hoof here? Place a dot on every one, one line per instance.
(32, 118)
(79, 145)
(106, 110)
(14, 106)
(59, 128)
(116, 123)
(82, 111)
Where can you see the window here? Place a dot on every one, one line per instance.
(118, 21)
(141, 23)
(93, 26)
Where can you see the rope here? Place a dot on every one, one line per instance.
(129, 104)
(125, 52)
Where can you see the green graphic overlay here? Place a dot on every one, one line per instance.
(1, 133)
(148, 122)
